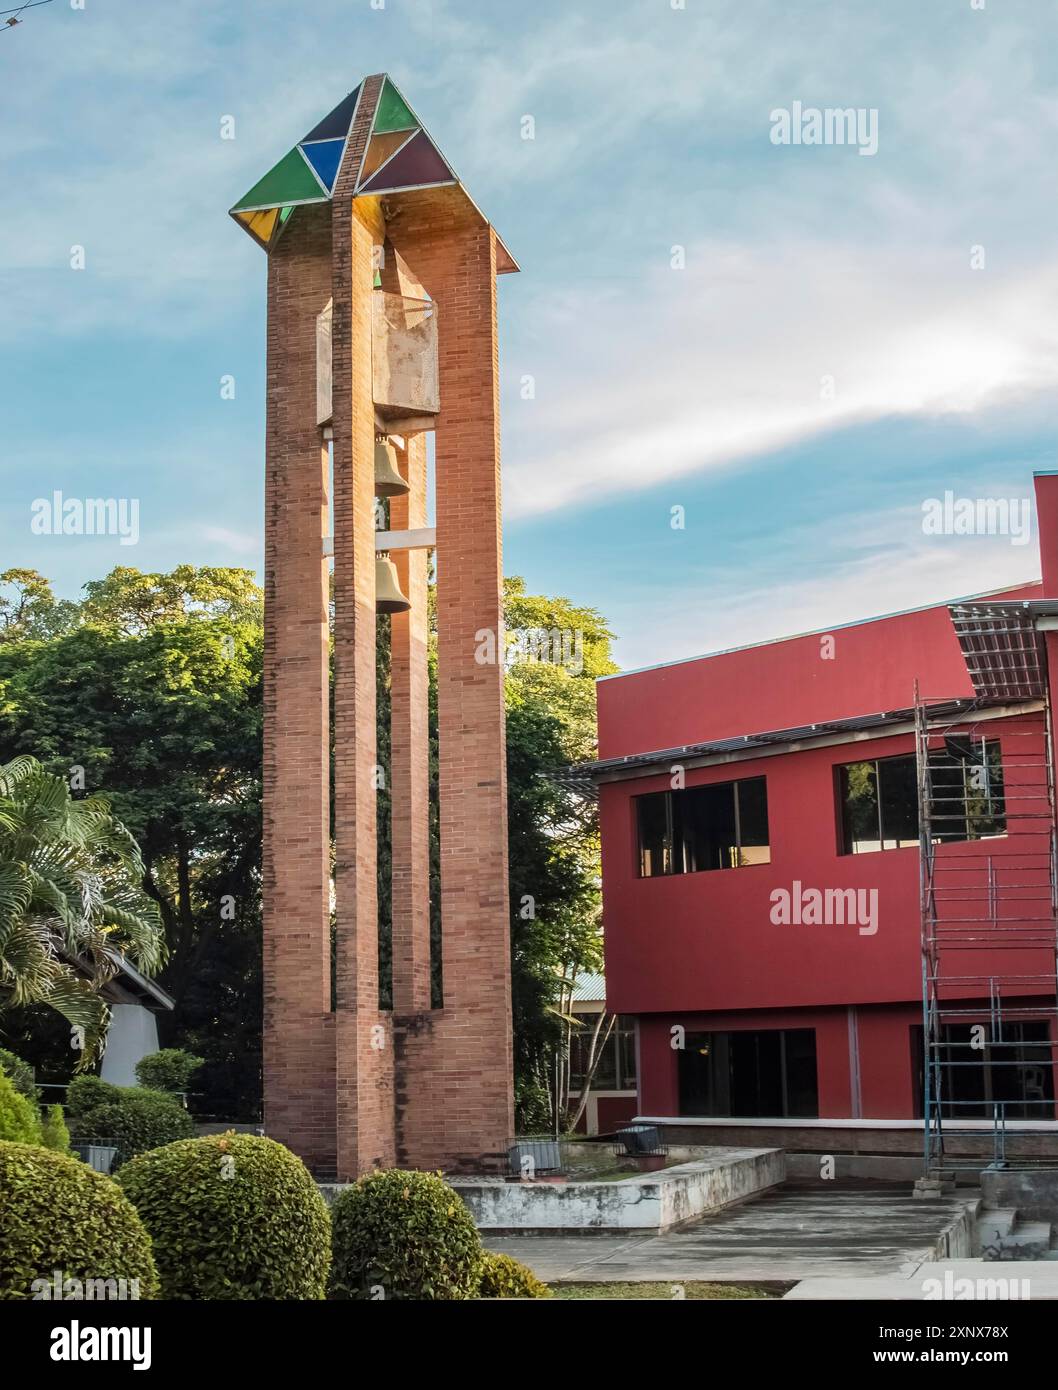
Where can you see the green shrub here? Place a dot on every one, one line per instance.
(231, 1216)
(21, 1073)
(131, 1118)
(19, 1117)
(407, 1234)
(502, 1277)
(171, 1069)
(53, 1132)
(59, 1215)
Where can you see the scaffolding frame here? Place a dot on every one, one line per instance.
(977, 899)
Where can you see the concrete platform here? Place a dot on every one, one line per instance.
(788, 1234)
(981, 1280)
(644, 1202)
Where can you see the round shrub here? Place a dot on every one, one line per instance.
(21, 1073)
(170, 1069)
(407, 1234)
(131, 1118)
(60, 1215)
(19, 1117)
(231, 1216)
(502, 1277)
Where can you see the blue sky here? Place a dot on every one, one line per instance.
(656, 387)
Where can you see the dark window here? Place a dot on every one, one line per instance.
(1017, 1071)
(720, 826)
(744, 1073)
(617, 1065)
(879, 798)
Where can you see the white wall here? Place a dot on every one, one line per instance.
(133, 1034)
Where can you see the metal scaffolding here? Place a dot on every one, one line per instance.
(989, 900)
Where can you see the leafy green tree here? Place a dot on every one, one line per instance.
(151, 692)
(155, 696)
(28, 608)
(70, 899)
(556, 650)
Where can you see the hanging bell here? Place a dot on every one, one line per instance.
(388, 597)
(388, 482)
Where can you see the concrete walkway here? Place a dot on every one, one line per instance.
(1003, 1280)
(786, 1235)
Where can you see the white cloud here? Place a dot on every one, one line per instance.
(732, 357)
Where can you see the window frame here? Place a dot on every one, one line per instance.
(842, 814)
(669, 849)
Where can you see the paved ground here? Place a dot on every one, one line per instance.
(1023, 1280)
(786, 1235)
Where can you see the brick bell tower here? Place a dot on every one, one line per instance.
(381, 328)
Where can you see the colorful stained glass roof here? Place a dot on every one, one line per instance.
(398, 155)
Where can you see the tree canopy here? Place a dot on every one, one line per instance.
(148, 690)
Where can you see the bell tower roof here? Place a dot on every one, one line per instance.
(374, 127)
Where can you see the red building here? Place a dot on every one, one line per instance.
(760, 816)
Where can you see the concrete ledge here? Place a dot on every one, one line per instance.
(647, 1202)
(1026, 1139)
(963, 1280)
(1033, 1194)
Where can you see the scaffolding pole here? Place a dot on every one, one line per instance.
(989, 919)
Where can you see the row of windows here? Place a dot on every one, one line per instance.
(725, 825)
(771, 1074)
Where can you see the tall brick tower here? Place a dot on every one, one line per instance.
(381, 328)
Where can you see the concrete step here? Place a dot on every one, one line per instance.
(994, 1224)
(1037, 1233)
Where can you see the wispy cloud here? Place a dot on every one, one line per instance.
(746, 351)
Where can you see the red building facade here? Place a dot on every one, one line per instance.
(761, 869)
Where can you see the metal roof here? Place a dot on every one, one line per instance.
(1003, 646)
(590, 988)
(584, 777)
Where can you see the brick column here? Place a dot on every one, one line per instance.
(298, 1039)
(363, 1034)
(459, 1080)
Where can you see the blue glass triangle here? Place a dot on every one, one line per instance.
(336, 122)
(325, 156)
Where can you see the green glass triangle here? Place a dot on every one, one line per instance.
(284, 213)
(291, 181)
(393, 112)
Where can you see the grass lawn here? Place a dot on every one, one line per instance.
(692, 1288)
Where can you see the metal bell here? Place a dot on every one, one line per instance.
(388, 597)
(388, 482)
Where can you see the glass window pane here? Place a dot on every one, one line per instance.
(652, 813)
(947, 795)
(753, 821)
(986, 811)
(859, 806)
(898, 795)
(626, 1055)
(704, 828)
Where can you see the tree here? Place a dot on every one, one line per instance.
(151, 692)
(70, 900)
(556, 650)
(155, 697)
(29, 609)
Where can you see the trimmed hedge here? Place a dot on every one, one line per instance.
(502, 1277)
(60, 1215)
(21, 1073)
(133, 1118)
(231, 1216)
(406, 1234)
(19, 1117)
(170, 1069)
